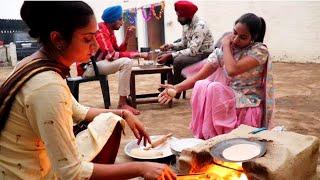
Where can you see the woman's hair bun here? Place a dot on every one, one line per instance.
(30, 14)
(43, 17)
(34, 33)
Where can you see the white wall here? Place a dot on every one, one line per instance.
(10, 9)
(293, 27)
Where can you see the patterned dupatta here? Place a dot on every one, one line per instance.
(269, 102)
(17, 79)
(268, 92)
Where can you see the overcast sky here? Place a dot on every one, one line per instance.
(10, 9)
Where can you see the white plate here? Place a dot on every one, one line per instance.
(164, 148)
(182, 144)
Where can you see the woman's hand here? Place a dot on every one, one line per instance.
(227, 40)
(137, 127)
(167, 94)
(157, 171)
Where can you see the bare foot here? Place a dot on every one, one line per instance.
(129, 108)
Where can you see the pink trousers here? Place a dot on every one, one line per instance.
(214, 109)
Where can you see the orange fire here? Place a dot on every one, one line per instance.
(224, 171)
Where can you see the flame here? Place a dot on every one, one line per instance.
(224, 171)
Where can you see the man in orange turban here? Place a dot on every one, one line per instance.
(195, 45)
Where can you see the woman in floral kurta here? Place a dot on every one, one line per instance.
(233, 91)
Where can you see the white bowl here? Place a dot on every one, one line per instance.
(181, 144)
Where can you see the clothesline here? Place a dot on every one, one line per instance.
(144, 6)
(130, 14)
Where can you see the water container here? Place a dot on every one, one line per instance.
(155, 54)
(12, 54)
(3, 55)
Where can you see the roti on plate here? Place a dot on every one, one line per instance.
(138, 152)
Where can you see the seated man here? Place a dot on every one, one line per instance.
(114, 58)
(196, 43)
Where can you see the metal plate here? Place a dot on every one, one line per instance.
(164, 148)
(217, 151)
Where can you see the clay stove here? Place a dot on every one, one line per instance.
(289, 156)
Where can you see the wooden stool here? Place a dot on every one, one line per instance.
(164, 71)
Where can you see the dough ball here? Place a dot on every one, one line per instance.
(172, 92)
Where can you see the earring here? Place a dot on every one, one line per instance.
(60, 47)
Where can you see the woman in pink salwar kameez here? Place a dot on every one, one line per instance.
(228, 86)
